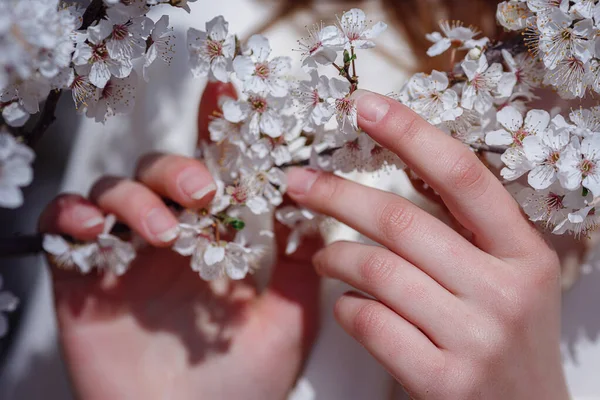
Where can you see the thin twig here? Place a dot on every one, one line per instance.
(21, 246)
(488, 149)
(47, 117)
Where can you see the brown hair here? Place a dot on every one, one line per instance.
(415, 18)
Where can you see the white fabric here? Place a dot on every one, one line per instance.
(165, 119)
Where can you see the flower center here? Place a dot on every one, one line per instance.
(587, 167)
(238, 193)
(554, 201)
(315, 47)
(344, 106)
(120, 32)
(99, 53)
(259, 104)
(566, 34)
(262, 70)
(315, 98)
(519, 135)
(553, 158)
(214, 48)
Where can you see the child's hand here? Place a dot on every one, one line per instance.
(451, 319)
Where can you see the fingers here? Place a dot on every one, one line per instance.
(213, 94)
(72, 215)
(401, 286)
(391, 221)
(471, 192)
(138, 207)
(397, 344)
(182, 179)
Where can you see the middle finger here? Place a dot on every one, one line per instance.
(391, 221)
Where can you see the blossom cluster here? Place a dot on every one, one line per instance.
(485, 100)
(276, 122)
(564, 35)
(44, 47)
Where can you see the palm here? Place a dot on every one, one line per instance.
(161, 332)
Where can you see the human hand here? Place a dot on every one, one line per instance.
(450, 318)
(159, 331)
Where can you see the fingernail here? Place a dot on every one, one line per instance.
(370, 106)
(300, 180)
(193, 183)
(88, 217)
(162, 224)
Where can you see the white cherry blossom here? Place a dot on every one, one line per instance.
(544, 150)
(343, 105)
(515, 129)
(162, 44)
(318, 48)
(355, 31)
(211, 52)
(311, 97)
(483, 81)
(580, 222)
(259, 115)
(112, 253)
(547, 206)
(260, 74)
(432, 99)
(15, 170)
(117, 97)
(562, 37)
(513, 15)
(93, 59)
(580, 165)
(454, 34)
(124, 36)
(69, 256)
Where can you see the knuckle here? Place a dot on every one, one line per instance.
(490, 342)
(508, 302)
(512, 307)
(368, 321)
(376, 269)
(468, 174)
(395, 220)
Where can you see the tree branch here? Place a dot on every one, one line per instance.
(47, 117)
(21, 246)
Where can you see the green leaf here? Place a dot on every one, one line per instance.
(237, 224)
(585, 192)
(347, 57)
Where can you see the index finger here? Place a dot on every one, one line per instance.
(471, 192)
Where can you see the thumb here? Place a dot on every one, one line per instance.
(210, 105)
(292, 298)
